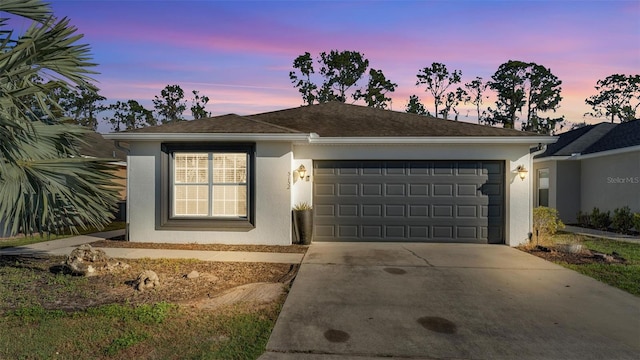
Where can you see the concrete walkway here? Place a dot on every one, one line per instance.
(602, 234)
(449, 301)
(65, 246)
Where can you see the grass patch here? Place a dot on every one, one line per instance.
(622, 276)
(27, 240)
(44, 315)
(158, 331)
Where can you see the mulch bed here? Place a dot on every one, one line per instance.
(298, 249)
(585, 256)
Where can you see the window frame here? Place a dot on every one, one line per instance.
(165, 218)
(539, 186)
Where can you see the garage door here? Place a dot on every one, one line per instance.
(422, 201)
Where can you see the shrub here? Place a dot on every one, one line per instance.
(583, 219)
(600, 219)
(636, 221)
(545, 222)
(302, 206)
(622, 220)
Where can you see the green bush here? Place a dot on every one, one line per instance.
(545, 222)
(636, 221)
(600, 219)
(583, 219)
(622, 220)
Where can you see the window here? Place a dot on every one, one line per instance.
(543, 187)
(207, 186)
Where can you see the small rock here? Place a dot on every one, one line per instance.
(87, 261)
(605, 257)
(146, 280)
(192, 275)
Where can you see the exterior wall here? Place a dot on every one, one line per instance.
(610, 182)
(567, 190)
(517, 192)
(272, 201)
(564, 187)
(121, 173)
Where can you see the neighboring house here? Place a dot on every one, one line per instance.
(96, 146)
(371, 175)
(593, 166)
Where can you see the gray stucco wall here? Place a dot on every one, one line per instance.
(610, 182)
(568, 190)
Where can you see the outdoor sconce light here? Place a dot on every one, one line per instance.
(302, 172)
(522, 171)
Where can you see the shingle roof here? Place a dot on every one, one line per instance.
(623, 135)
(333, 119)
(94, 145)
(336, 119)
(225, 124)
(595, 138)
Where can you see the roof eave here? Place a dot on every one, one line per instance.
(413, 140)
(191, 137)
(578, 156)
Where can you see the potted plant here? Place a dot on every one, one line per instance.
(303, 222)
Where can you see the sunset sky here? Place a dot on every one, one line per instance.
(239, 53)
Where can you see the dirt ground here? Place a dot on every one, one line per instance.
(207, 247)
(54, 290)
(586, 256)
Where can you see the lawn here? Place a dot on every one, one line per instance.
(26, 240)
(624, 273)
(48, 315)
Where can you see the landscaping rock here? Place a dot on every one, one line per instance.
(88, 261)
(146, 280)
(192, 275)
(605, 257)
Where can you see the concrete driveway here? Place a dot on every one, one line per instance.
(449, 301)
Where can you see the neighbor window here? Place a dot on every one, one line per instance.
(208, 184)
(543, 187)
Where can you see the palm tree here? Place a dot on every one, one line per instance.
(45, 184)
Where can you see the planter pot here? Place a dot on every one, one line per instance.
(303, 226)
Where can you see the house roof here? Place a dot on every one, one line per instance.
(324, 122)
(336, 119)
(226, 124)
(621, 136)
(94, 145)
(595, 138)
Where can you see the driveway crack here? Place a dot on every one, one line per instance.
(418, 256)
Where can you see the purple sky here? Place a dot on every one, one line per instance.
(239, 53)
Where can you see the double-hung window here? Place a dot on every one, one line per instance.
(208, 186)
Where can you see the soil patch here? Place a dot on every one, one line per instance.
(299, 249)
(66, 292)
(585, 256)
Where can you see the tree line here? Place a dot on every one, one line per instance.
(83, 104)
(525, 92)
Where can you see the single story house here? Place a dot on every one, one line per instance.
(592, 166)
(370, 175)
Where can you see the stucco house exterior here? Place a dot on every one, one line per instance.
(370, 174)
(592, 166)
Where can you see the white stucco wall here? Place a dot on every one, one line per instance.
(273, 199)
(610, 182)
(517, 195)
(278, 188)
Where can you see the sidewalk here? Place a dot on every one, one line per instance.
(602, 234)
(65, 246)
